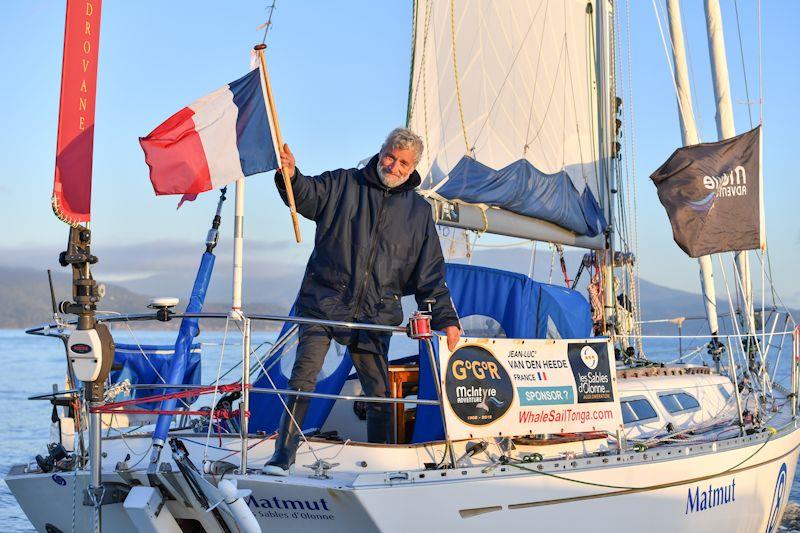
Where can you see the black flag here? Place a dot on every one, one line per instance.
(712, 194)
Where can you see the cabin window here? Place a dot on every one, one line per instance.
(676, 402)
(482, 326)
(724, 392)
(637, 410)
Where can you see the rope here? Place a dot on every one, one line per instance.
(425, 85)
(563, 264)
(485, 222)
(508, 72)
(535, 78)
(552, 93)
(113, 407)
(578, 134)
(455, 74)
(508, 245)
(532, 263)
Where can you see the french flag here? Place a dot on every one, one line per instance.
(218, 139)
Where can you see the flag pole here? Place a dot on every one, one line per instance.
(259, 48)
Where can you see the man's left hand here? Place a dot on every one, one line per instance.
(453, 334)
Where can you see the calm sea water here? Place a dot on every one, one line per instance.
(30, 365)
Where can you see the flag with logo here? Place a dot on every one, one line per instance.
(713, 195)
(218, 139)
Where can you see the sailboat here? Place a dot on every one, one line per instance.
(548, 413)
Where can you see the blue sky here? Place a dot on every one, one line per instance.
(340, 76)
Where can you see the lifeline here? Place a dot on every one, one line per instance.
(700, 500)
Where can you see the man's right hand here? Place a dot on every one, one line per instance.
(287, 162)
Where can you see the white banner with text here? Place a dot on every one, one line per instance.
(516, 387)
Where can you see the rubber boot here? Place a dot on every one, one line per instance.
(282, 461)
(378, 426)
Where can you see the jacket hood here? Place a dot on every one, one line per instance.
(370, 173)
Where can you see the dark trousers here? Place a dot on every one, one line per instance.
(372, 370)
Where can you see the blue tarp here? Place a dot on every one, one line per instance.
(522, 189)
(266, 409)
(143, 364)
(523, 307)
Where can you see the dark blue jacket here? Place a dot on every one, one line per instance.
(372, 246)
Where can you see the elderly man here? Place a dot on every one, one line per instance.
(375, 242)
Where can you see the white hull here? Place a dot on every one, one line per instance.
(658, 490)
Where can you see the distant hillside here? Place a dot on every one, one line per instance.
(25, 299)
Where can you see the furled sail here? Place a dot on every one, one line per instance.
(504, 94)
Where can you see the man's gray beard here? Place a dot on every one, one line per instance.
(391, 182)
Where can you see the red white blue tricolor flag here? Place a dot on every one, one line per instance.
(218, 139)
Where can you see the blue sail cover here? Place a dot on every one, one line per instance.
(143, 364)
(266, 409)
(175, 369)
(524, 308)
(522, 189)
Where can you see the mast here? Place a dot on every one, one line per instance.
(689, 136)
(238, 250)
(725, 130)
(606, 190)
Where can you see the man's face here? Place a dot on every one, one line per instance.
(395, 165)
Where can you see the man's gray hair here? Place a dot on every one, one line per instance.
(405, 139)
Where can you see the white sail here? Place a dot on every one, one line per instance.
(502, 88)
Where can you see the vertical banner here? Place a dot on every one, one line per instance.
(72, 188)
(529, 386)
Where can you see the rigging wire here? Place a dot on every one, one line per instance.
(268, 24)
(696, 107)
(739, 346)
(744, 70)
(216, 389)
(772, 284)
(455, 74)
(632, 154)
(667, 48)
(760, 71)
